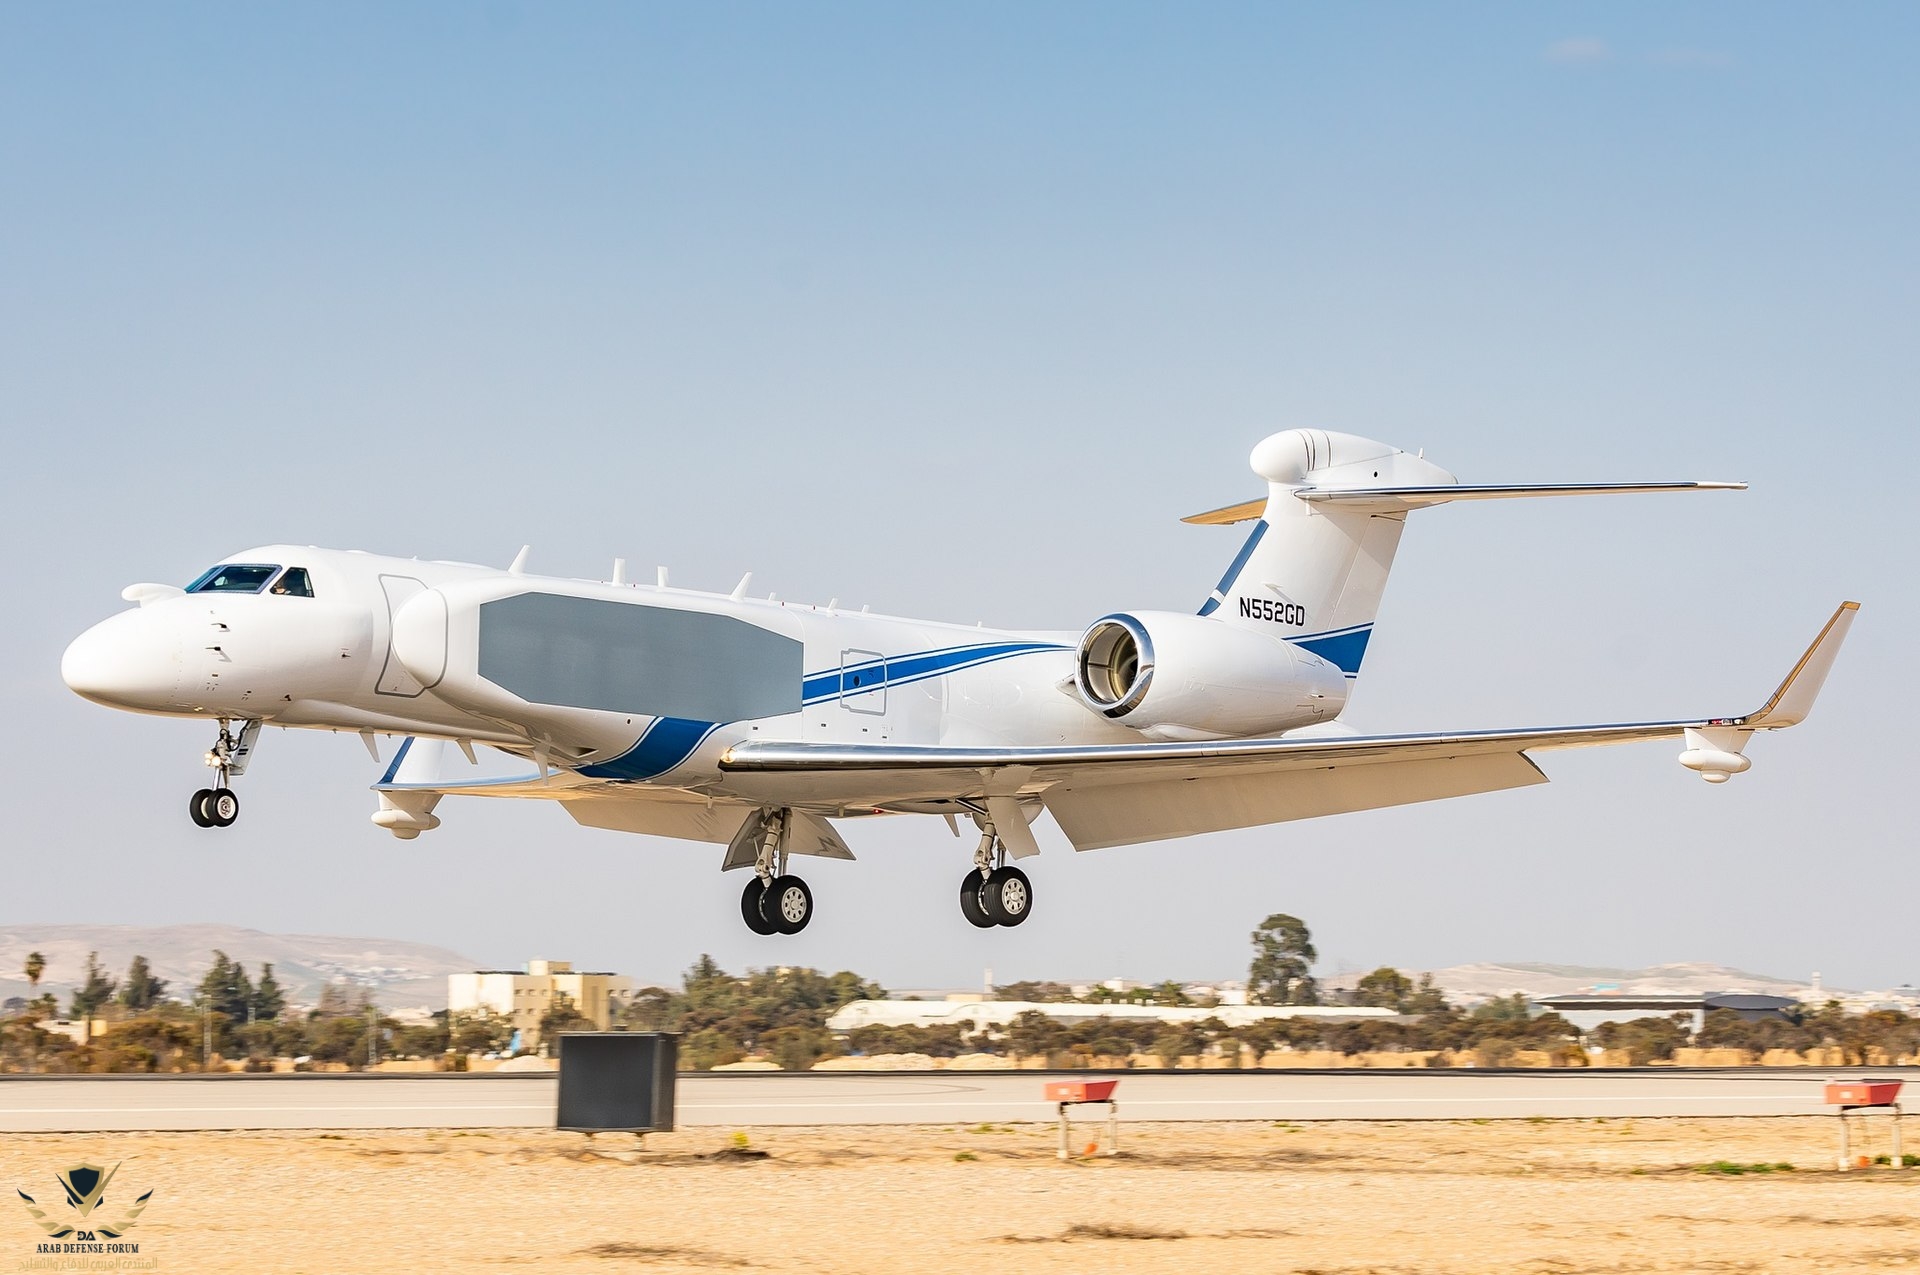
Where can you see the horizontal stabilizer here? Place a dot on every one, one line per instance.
(1421, 497)
(1390, 499)
(1245, 512)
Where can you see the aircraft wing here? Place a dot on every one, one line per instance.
(1120, 794)
(418, 777)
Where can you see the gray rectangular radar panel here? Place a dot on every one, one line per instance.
(617, 1082)
(628, 657)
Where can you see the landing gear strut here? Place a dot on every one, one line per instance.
(994, 892)
(217, 807)
(774, 901)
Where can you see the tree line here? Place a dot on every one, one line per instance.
(243, 1020)
(230, 1018)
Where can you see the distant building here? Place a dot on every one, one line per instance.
(524, 997)
(1215, 993)
(1587, 1011)
(1118, 986)
(77, 1030)
(1904, 999)
(997, 1014)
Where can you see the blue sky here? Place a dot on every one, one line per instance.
(954, 311)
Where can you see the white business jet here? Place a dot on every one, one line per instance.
(757, 723)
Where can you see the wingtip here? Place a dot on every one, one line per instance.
(1794, 699)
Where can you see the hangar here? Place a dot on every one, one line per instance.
(1587, 1010)
(991, 1013)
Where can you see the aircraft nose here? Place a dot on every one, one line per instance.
(131, 660)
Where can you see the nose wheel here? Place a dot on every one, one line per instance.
(774, 901)
(214, 807)
(218, 807)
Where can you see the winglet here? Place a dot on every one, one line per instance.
(1794, 700)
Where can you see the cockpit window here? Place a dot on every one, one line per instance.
(235, 577)
(294, 584)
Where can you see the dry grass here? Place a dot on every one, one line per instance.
(652, 1253)
(1346, 1198)
(1097, 1231)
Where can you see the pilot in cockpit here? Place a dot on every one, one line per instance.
(293, 583)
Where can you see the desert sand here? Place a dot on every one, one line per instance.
(1541, 1198)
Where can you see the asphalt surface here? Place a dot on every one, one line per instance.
(120, 1103)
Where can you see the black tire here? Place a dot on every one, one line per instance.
(789, 904)
(223, 807)
(970, 905)
(1007, 896)
(197, 807)
(750, 899)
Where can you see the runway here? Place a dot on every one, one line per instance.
(39, 1104)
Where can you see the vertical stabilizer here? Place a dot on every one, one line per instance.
(1313, 574)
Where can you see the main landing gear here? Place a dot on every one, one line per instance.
(994, 892)
(775, 902)
(217, 807)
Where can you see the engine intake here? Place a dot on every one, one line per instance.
(1114, 665)
(1173, 676)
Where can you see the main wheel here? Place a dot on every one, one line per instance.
(1007, 896)
(970, 905)
(789, 904)
(223, 807)
(197, 807)
(751, 900)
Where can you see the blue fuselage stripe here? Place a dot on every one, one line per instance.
(1343, 649)
(897, 671)
(1234, 569)
(664, 745)
(669, 741)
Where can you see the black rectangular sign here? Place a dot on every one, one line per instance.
(617, 1082)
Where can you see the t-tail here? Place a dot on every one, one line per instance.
(1315, 565)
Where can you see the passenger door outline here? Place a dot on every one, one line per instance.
(863, 682)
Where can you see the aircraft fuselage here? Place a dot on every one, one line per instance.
(619, 682)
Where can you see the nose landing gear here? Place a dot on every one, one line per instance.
(218, 807)
(774, 901)
(214, 807)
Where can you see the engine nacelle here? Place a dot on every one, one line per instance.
(1181, 677)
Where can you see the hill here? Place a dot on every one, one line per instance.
(1478, 982)
(407, 975)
